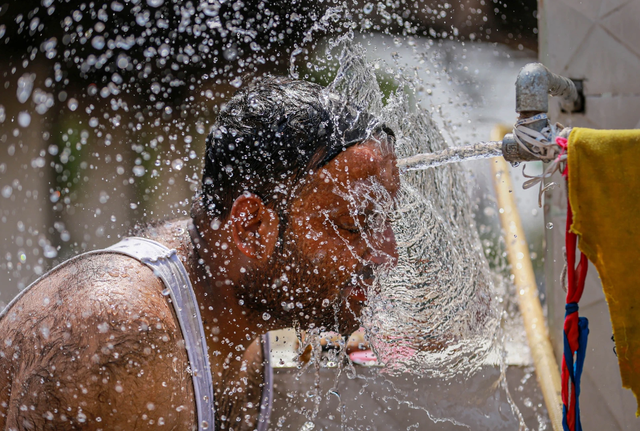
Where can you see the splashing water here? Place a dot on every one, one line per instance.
(434, 312)
(436, 317)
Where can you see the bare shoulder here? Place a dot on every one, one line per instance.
(94, 344)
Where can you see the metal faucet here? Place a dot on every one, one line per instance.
(533, 86)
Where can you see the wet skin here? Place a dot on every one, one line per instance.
(95, 344)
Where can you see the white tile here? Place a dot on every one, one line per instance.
(623, 24)
(601, 364)
(607, 66)
(569, 120)
(565, 28)
(589, 8)
(609, 112)
(609, 6)
(595, 414)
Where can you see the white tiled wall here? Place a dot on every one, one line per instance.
(597, 41)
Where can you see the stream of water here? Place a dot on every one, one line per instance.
(478, 151)
(436, 305)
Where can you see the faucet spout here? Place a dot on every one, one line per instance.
(534, 85)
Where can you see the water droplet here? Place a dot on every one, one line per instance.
(123, 61)
(325, 303)
(48, 46)
(97, 42)
(33, 25)
(72, 104)
(138, 170)
(164, 50)
(104, 197)
(368, 8)
(50, 252)
(237, 82)
(24, 119)
(205, 425)
(549, 225)
(266, 316)
(142, 18)
(25, 85)
(177, 164)
(308, 426)
(7, 191)
(155, 3)
(230, 54)
(116, 6)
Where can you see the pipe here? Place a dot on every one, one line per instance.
(534, 85)
(547, 370)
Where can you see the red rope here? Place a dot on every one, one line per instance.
(575, 331)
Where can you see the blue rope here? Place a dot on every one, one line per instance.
(575, 370)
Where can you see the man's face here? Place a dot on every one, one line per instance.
(338, 235)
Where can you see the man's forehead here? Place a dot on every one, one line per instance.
(364, 175)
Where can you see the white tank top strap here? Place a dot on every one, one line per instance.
(266, 400)
(166, 265)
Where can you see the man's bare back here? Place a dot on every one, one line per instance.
(96, 342)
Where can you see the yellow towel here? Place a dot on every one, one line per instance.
(604, 191)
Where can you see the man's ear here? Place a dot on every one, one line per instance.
(254, 226)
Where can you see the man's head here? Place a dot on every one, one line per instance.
(303, 183)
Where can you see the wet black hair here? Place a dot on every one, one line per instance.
(273, 132)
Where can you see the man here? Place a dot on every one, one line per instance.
(288, 229)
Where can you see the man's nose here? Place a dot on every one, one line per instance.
(385, 249)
